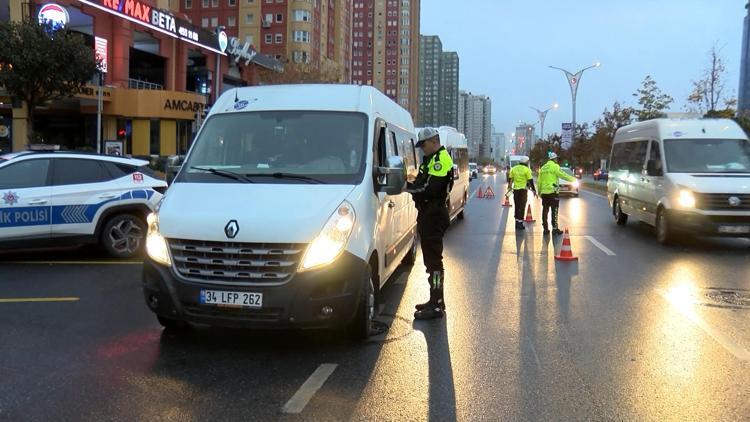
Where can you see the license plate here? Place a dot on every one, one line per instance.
(234, 299)
(734, 229)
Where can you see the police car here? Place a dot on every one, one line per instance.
(50, 198)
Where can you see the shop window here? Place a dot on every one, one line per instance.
(155, 141)
(125, 134)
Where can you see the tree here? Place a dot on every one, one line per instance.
(42, 64)
(301, 73)
(652, 100)
(605, 128)
(708, 92)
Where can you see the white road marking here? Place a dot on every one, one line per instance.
(533, 350)
(38, 299)
(735, 349)
(595, 194)
(300, 399)
(598, 244)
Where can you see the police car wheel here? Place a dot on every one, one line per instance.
(360, 327)
(123, 236)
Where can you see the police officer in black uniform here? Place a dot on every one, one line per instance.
(430, 192)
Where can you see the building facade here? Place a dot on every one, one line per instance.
(525, 138)
(438, 84)
(449, 89)
(475, 121)
(743, 104)
(304, 32)
(499, 148)
(385, 49)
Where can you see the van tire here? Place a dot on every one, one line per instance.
(123, 236)
(360, 328)
(620, 217)
(665, 234)
(172, 324)
(465, 200)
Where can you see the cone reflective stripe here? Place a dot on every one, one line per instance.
(566, 253)
(489, 194)
(529, 217)
(480, 195)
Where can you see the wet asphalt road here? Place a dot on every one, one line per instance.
(634, 331)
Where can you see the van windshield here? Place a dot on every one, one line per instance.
(707, 155)
(293, 146)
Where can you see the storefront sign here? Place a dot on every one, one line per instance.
(183, 105)
(91, 92)
(223, 41)
(159, 20)
(100, 49)
(247, 53)
(54, 15)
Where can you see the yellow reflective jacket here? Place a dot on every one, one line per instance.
(519, 176)
(549, 175)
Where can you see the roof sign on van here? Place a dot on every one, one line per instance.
(677, 134)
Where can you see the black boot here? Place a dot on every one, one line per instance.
(435, 308)
(557, 232)
(520, 226)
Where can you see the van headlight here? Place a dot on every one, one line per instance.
(332, 240)
(686, 199)
(156, 245)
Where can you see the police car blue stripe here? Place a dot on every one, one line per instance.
(24, 216)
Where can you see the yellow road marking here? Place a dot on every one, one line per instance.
(72, 262)
(38, 299)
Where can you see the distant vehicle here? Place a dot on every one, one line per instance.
(570, 188)
(601, 174)
(289, 211)
(682, 176)
(513, 160)
(457, 145)
(473, 171)
(489, 169)
(579, 173)
(50, 198)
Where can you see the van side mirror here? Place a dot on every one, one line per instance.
(173, 166)
(392, 179)
(455, 172)
(653, 168)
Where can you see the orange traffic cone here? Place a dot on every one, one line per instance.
(480, 195)
(566, 253)
(507, 202)
(529, 217)
(489, 193)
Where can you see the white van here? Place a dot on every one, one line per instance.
(682, 176)
(458, 147)
(288, 211)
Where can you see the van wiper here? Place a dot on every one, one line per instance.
(279, 175)
(224, 173)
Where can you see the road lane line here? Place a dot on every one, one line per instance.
(598, 244)
(735, 349)
(38, 299)
(595, 194)
(300, 399)
(71, 263)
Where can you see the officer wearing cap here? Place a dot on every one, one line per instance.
(519, 180)
(430, 192)
(549, 188)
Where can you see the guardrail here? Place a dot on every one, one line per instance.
(139, 84)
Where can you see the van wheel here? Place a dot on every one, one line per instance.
(411, 256)
(123, 236)
(620, 217)
(465, 201)
(172, 324)
(360, 328)
(665, 234)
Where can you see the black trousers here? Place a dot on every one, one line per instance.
(520, 196)
(550, 202)
(432, 222)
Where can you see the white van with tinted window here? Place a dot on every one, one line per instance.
(289, 211)
(682, 176)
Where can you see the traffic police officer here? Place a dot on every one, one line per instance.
(430, 192)
(549, 175)
(519, 180)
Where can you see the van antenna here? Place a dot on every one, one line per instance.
(235, 95)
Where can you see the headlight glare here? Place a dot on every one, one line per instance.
(156, 245)
(686, 199)
(332, 240)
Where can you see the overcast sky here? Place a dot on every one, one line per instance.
(505, 47)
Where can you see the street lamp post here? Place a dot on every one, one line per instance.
(574, 80)
(543, 115)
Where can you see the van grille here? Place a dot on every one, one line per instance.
(231, 262)
(720, 201)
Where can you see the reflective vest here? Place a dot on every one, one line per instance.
(520, 176)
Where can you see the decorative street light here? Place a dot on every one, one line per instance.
(574, 79)
(543, 115)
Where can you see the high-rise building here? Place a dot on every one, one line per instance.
(385, 49)
(743, 104)
(449, 89)
(474, 121)
(499, 148)
(293, 31)
(525, 138)
(438, 84)
(430, 78)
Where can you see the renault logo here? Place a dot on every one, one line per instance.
(734, 201)
(231, 229)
